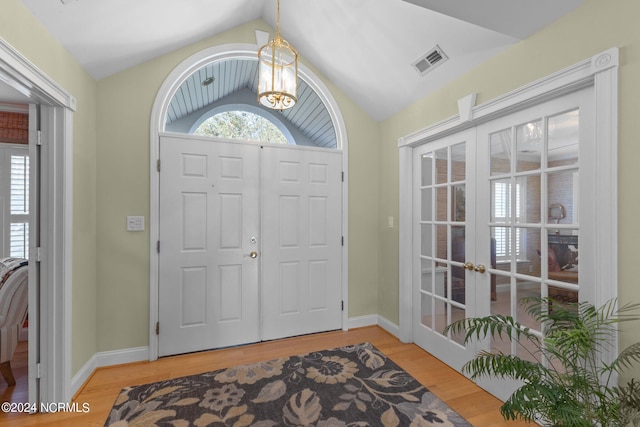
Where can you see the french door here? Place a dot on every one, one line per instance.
(249, 243)
(503, 212)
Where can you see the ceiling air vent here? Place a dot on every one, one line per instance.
(430, 60)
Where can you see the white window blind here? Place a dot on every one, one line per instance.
(19, 206)
(502, 209)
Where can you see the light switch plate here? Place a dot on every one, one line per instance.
(135, 223)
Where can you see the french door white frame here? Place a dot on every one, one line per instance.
(599, 71)
(51, 291)
(158, 114)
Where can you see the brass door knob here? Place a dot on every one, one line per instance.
(253, 254)
(480, 268)
(468, 266)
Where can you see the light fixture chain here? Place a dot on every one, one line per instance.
(278, 21)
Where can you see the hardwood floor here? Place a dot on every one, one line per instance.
(100, 391)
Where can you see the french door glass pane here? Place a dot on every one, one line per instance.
(459, 200)
(561, 196)
(500, 146)
(442, 166)
(528, 199)
(426, 205)
(426, 317)
(427, 169)
(426, 240)
(426, 275)
(563, 139)
(441, 287)
(441, 203)
(501, 201)
(529, 141)
(528, 242)
(458, 162)
(442, 241)
(563, 257)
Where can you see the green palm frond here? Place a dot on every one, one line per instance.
(627, 357)
(500, 365)
(572, 387)
(629, 396)
(504, 327)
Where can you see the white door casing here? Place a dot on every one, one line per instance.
(56, 194)
(301, 240)
(600, 73)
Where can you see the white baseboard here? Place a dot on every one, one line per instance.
(107, 358)
(362, 321)
(374, 319)
(389, 326)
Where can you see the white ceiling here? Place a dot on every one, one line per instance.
(366, 47)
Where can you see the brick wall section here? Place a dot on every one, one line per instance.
(14, 128)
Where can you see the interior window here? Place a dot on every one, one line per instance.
(14, 189)
(241, 125)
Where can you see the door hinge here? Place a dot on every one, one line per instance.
(38, 254)
(342, 240)
(158, 165)
(342, 305)
(158, 246)
(39, 138)
(342, 176)
(38, 370)
(157, 328)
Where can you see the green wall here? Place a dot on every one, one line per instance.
(594, 27)
(125, 101)
(22, 31)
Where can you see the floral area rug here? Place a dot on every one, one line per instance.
(349, 386)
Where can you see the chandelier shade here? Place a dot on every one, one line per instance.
(277, 72)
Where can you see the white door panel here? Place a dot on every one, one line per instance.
(302, 250)
(208, 287)
(444, 290)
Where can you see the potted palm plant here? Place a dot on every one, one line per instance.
(573, 386)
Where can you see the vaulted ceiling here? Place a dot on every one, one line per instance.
(365, 47)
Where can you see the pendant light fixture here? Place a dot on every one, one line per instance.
(277, 72)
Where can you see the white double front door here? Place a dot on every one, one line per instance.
(250, 243)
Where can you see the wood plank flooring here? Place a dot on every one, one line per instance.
(100, 391)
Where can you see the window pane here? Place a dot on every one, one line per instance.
(19, 240)
(241, 125)
(19, 184)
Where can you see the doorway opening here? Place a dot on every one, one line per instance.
(220, 80)
(48, 221)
